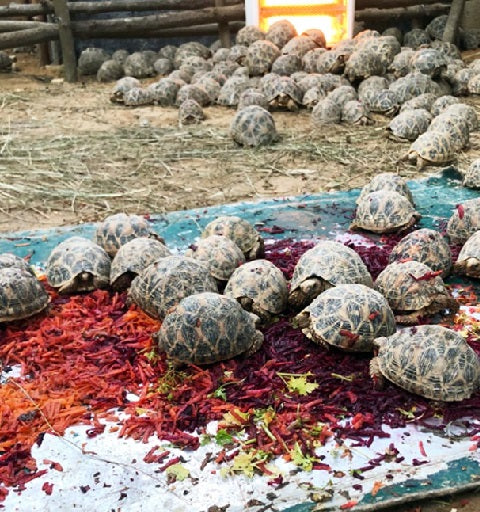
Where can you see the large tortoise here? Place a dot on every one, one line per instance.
(428, 360)
(384, 211)
(253, 126)
(468, 261)
(325, 265)
(260, 287)
(78, 265)
(464, 221)
(409, 125)
(7, 259)
(164, 283)
(240, 231)
(386, 181)
(414, 290)
(431, 148)
(207, 327)
(21, 294)
(347, 316)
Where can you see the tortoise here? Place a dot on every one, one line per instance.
(7, 260)
(332, 61)
(471, 178)
(326, 111)
(428, 61)
(194, 63)
(413, 291)
(475, 65)
(299, 46)
(252, 97)
(120, 55)
(21, 294)
(260, 287)
(467, 112)
(426, 246)
(206, 328)
(286, 65)
(464, 221)
(220, 78)
(283, 94)
(6, 62)
(384, 211)
(327, 264)
(253, 126)
(90, 60)
(355, 112)
(436, 27)
(193, 92)
(400, 65)
(232, 89)
(411, 85)
(309, 60)
(451, 69)
(365, 34)
(165, 282)
(468, 261)
(138, 65)
(370, 84)
(168, 52)
(109, 71)
(316, 35)
(220, 55)
(248, 35)
(441, 103)
(221, 254)
(180, 76)
(237, 55)
(415, 38)
(473, 85)
(280, 32)
(340, 95)
(449, 50)
(121, 87)
(260, 57)
(132, 258)
(408, 125)
(116, 230)
(428, 360)
(164, 92)
(469, 39)
(431, 148)
(163, 66)
(386, 181)
(312, 96)
(385, 47)
(190, 112)
(78, 265)
(347, 316)
(455, 126)
(460, 81)
(137, 96)
(395, 32)
(363, 64)
(210, 86)
(384, 101)
(239, 231)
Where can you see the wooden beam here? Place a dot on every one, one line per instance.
(13, 25)
(67, 43)
(389, 4)
(450, 34)
(28, 37)
(396, 14)
(223, 30)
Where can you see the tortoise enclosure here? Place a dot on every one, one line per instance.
(67, 156)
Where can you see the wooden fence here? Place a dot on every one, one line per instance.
(174, 18)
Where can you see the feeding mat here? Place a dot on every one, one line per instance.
(93, 418)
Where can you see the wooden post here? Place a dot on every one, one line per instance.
(451, 28)
(223, 29)
(67, 42)
(42, 48)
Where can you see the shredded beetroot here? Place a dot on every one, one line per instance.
(89, 353)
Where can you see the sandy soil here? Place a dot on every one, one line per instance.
(67, 155)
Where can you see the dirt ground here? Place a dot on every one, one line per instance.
(68, 155)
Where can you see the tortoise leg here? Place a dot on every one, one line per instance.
(376, 375)
(257, 342)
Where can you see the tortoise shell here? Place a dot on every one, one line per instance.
(355, 112)
(309, 60)
(428, 61)
(252, 97)
(190, 112)
(423, 101)
(164, 92)
(415, 38)
(220, 55)
(260, 57)
(132, 258)
(312, 96)
(316, 35)
(116, 230)
(253, 126)
(299, 46)
(332, 61)
(453, 125)
(193, 92)
(362, 64)
(384, 101)
(6, 62)
(220, 253)
(121, 87)
(460, 81)
(167, 281)
(245, 236)
(283, 94)
(428, 360)
(260, 287)
(467, 112)
(340, 95)
(426, 246)
(109, 71)
(370, 84)
(195, 63)
(286, 65)
(21, 294)
(78, 265)
(468, 261)
(211, 86)
(436, 27)
(323, 266)
(400, 65)
(137, 96)
(386, 181)
(464, 221)
(413, 290)
(384, 211)
(248, 35)
(474, 84)
(232, 89)
(408, 125)
(471, 178)
(205, 328)
(411, 85)
(431, 148)
(91, 59)
(326, 111)
(139, 65)
(238, 55)
(440, 104)
(8, 260)
(386, 47)
(348, 316)
(280, 32)
(163, 66)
